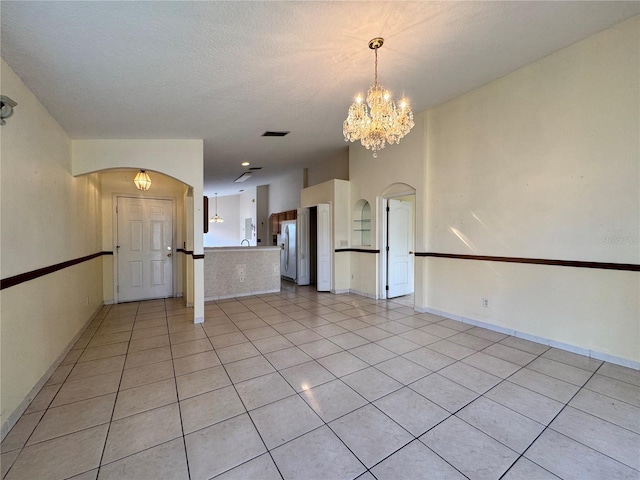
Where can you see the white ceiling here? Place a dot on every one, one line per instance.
(228, 71)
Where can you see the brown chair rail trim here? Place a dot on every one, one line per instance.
(361, 250)
(41, 272)
(536, 261)
(196, 256)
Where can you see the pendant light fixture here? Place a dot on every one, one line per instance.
(216, 218)
(142, 180)
(383, 122)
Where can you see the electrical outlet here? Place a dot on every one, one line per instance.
(486, 303)
(241, 278)
(240, 269)
(276, 270)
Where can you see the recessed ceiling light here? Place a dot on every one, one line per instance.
(245, 164)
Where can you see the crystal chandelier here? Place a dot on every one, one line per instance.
(382, 121)
(142, 180)
(216, 218)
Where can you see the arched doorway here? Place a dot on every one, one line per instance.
(397, 238)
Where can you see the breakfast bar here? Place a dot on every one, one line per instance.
(240, 271)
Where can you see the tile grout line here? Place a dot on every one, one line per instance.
(246, 411)
(362, 406)
(308, 327)
(548, 426)
(115, 402)
(175, 381)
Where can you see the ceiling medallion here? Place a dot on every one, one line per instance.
(383, 121)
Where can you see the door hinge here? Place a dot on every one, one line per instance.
(388, 208)
(386, 288)
(118, 288)
(387, 248)
(116, 208)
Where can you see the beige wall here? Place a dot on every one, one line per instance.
(262, 214)
(336, 193)
(247, 209)
(48, 217)
(542, 163)
(284, 193)
(226, 233)
(397, 170)
(334, 167)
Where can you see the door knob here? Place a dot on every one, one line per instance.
(410, 253)
(168, 254)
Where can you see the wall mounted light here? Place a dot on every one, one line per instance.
(6, 108)
(142, 180)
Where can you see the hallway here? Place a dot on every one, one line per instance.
(312, 385)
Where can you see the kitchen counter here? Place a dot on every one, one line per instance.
(240, 271)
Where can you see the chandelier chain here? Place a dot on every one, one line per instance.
(375, 82)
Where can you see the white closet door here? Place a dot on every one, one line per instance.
(324, 248)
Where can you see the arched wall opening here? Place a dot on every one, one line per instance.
(397, 239)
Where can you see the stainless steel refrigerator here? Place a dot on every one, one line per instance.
(288, 259)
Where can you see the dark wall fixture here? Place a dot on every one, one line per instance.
(6, 108)
(205, 210)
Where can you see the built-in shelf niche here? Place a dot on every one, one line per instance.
(362, 224)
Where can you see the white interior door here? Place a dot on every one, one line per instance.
(323, 281)
(304, 275)
(145, 250)
(400, 248)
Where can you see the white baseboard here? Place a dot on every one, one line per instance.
(17, 413)
(238, 295)
(533, 338)
(356, 292)
(110, 301)
(364, 294)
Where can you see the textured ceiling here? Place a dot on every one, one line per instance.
(228, 71)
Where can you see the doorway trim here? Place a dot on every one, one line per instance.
(394, 190)
(114, 223)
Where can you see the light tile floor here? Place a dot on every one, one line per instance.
(312, 385)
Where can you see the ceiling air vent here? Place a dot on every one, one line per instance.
(274, 134)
